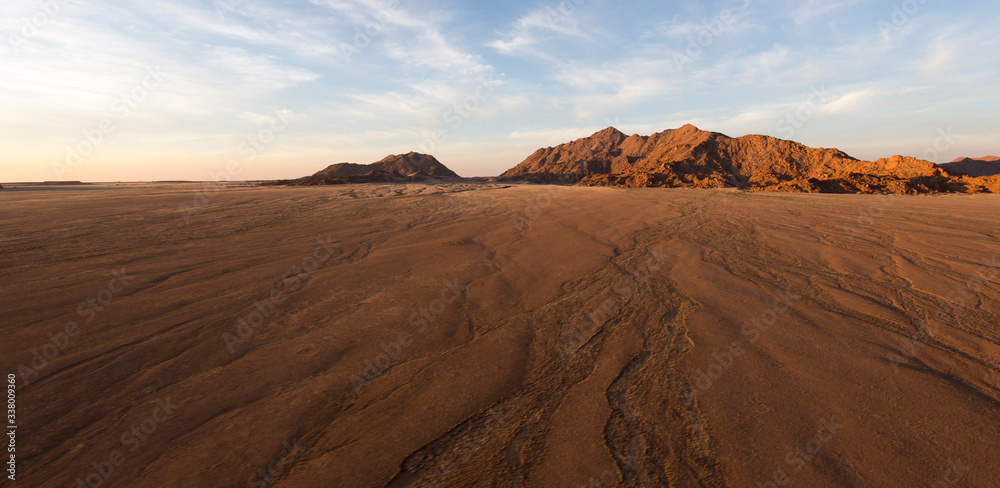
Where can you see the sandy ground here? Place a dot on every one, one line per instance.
(496, 335)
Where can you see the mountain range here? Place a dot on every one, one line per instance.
(692, 158)
(688, 157)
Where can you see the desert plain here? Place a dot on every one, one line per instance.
(494, 334)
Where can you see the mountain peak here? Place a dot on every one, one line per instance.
(608, 131)
(410, 160)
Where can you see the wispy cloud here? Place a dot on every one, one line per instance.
(264, 72)
(535, 28)
(819, 8)
(853, 101)
(255, 23)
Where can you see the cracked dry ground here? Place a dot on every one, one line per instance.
(603, 337)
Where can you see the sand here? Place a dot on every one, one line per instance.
(500, 335)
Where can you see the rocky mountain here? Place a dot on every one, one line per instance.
(693, 158)
(396, 168)
(411, 164)
(984, 166)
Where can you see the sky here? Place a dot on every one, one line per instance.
(205, 90)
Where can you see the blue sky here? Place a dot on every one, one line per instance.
(251, 89)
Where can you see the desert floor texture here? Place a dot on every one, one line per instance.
(464, 334)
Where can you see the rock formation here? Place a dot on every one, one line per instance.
(411, 164)
(397, 168)
(692, 158)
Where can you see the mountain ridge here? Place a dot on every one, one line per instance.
(984, 166)
(689, 157)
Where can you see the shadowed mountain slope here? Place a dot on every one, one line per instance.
(984, 166)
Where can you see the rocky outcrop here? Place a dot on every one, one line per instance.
(692, 158)
(397, 168)
(410, 164)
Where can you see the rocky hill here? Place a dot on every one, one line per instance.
(984, 166)
(693, 158)
(411, 164)
(396, 168)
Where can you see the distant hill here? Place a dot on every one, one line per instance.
(48, 183)
(692, 158)
(411, 164)
(395, 168)
(984, 158)
(984, 166)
